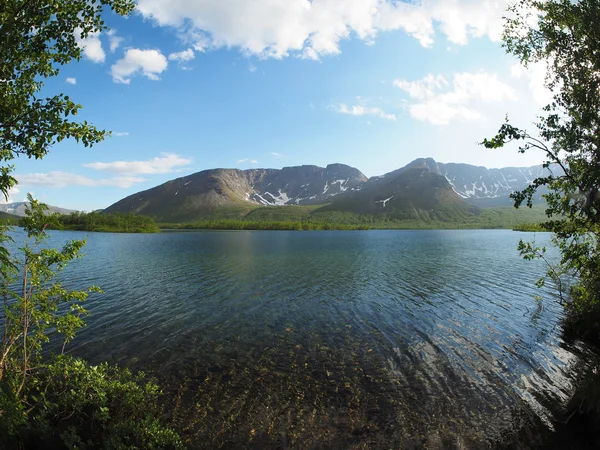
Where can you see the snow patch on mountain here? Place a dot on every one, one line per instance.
(384, 202)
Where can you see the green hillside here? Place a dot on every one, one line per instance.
(410, 197)
(320, 217)
(10, 219)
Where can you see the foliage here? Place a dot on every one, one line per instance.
(114, 223)
(530, 227)
(585, 403)
(10, 219)
(313, 218)
(74, 405)
(284, 213)
(37, 38)
(32, 298)
(264, 225)
(62, 402)
(567, 39)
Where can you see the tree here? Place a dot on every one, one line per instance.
(566, 38)
(36, 38)
(62, 402)
(32, 298)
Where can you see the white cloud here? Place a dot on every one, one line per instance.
(359, 110)
(460, 20)
(277, 155)
(11, 193)
(114, 40)
(91, 46)
(121, 133)
(440, 102)
(149, 63)
(440, 113)
(424, 88)
(183, 56)
(71, 80)
(535, 74)
(166, 163)
(311, 29)
(64, 179)
(246, 160)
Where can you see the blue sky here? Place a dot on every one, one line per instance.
(188, 85)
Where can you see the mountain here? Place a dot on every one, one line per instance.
(484, 187)
(18, 209)
(303, 185)
(410, 193)
(233, 192)
(422, 190)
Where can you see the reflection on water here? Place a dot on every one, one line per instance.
(330, 339)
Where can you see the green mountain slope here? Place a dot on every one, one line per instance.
(214, 193)
(411, 197)
(10, 218)
(406, 194)
(232, 193)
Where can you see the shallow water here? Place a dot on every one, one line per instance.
(397, 339)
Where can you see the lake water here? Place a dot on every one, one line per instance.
(379, 339)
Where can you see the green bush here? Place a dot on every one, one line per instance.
(62, 402)
(70, 404)
(112, 223)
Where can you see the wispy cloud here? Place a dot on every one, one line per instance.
(535, 74)
(422, 89)
(71, 80)
(121, 133)
(440, 102)
(359, 110)
(114, 40)
(166, 163)
(277, 155)
(246, 160)
(66, 179)
(183, 56)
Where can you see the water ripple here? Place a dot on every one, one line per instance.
(409, 337)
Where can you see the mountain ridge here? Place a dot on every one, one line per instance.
(481, 186)
(421, 189)
(204, 192)
(18, 209)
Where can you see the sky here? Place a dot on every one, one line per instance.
(189, 85)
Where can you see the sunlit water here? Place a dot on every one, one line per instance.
(380, 339)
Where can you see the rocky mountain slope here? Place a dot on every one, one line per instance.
(414, 193)
(303, 185)
(422, 189)
(203, 193)
(480, 186)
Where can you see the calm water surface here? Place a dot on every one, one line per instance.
(392, 339)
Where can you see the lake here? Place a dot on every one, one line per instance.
(339, 339)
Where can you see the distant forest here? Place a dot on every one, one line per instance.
(113, 223)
